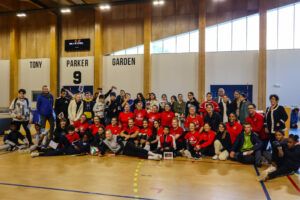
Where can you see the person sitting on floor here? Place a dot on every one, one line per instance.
(11, 140)
(206, 141)
(166, 142)
(290, 157)
(247, 147)
(116, 146)
(222, 143)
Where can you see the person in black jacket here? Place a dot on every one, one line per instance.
(291, 160)
(192, 101)
(113, 108)
(247, 147)
(225, 108)
(275, 117)
(212, 118)
(61, 106)
(61, 130)
(222, 143)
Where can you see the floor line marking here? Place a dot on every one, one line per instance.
(74, 191)
(262, 184)
(293, 183)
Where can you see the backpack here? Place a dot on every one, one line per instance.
(16, 99)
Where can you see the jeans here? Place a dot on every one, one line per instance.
(50, 119)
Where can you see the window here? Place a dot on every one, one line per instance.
(194, 41)
(224, 37)
(157, 46)
(131, 51)
(253, 32)
(141, 49)
(118, 53)
(183, 42)
(169, 45)
(239, 37)
(286, 27)
(272, 29)
(297, 26)
(211, 41)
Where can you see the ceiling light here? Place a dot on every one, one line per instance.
(158, 2)
(104, 7)
(65, 10)
(21, 14)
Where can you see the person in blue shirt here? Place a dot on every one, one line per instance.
(295, 118)
(44, 108)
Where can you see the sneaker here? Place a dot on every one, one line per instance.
(215, 157)
(187, 154)
(34, 154)
(262, 177)
(270, 169)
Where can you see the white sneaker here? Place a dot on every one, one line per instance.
(155, 157)
(215, 157)
(34, 154)
(271, 169)
(159, 156)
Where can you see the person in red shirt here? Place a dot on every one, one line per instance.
(256, 121)
(139, 114)
(234, 128)
(177, 132)
(192, 140)
(144, 134)
(193, 117)
(72, 136)
(206, 141)
(82, 125)
(130, 133)
(166, 116)
(209, 100)
(95, 126)
(166, 141)
(125, 116)
(114, 127)
(154, 115)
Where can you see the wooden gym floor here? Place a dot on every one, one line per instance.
(91, 177)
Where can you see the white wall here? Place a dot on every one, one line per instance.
(283, 76)
(4, 86)
(32, 79)
(236, 68)
(174, 73)
(126, 77)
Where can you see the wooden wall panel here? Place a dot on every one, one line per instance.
(4, 37)
(78, 25)
(35, 36)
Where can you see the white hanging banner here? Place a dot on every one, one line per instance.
(33, 74)
(4, 87)
(124, 72)
(77, 74)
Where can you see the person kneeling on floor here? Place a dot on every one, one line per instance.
(116, 145)
(247, 147)
(289, 162)
(11, 140)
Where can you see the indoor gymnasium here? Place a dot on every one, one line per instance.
(149, 99)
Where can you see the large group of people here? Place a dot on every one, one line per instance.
(145, 127)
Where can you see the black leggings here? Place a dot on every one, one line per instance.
(25, 126)
(131, 150)
(70, 150)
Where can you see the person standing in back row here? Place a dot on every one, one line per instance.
(20, 112)
(61, 106)
(44, 107)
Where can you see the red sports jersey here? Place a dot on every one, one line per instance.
(139, 116)
(115, 130)
(215, 105)
(166, 118)
(257, 123)
(197, 120)
(124, 117)
(153, 117)
(192, 138)
(72, 137)
(131, 130)
(234, 130)
(177, 131)
(146, 131)
(82, 127)
(94, 129)
(206, 139)
(166, 141)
